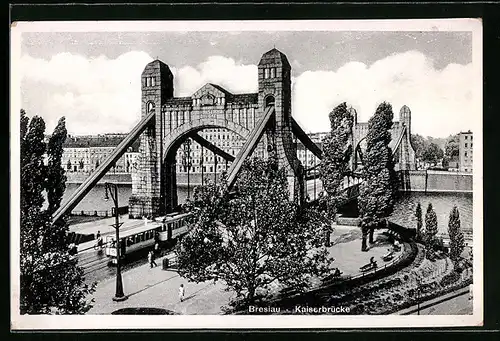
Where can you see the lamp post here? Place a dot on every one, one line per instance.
(186, 160)
(418, 280)
(113, 191)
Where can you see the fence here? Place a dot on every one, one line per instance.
(107, 213)
(78, 238)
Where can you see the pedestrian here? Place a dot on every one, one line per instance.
(181, 292)
(151, 259)
(157, 249)
(99, 240)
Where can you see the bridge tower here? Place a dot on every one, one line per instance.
(274, 78)
(406, 151)
(148, 192)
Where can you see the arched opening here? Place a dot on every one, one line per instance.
(149, 107)
(269, 101)
(178, 184)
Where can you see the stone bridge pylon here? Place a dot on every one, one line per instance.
(154, 190)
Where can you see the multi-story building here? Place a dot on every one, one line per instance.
(305, 156)
(83, 154)
(200, 160)
(465, 151)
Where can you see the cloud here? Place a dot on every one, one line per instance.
(95, 94)
(235, 77)
(442, 101)
(103, 95)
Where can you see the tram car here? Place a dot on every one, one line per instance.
(173, 226)
(162, 230)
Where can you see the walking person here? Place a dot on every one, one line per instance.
(157, 249)
(181, 292)
(99, 240)
(151, 259)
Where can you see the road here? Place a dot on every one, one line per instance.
(460, 305)
(94, 262)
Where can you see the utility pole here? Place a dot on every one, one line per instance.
(113, 191)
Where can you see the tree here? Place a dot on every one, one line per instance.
(337, 152)
(418, 215)
(457, 241)
(420, 144)
(432, 153)
(452, 149)
(431, 226)
(253, 239)
(51, 281)
(56, 178)
(378, 191)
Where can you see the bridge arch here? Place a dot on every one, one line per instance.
(177, 136)
(173, 141)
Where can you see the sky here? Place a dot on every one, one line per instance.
(93, 79)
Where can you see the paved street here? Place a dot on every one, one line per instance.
(158, 288)
(460, 305)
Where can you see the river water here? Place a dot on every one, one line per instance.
(404, 210)
(94, 200)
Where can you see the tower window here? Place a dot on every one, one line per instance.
(148, 81)
(266, 73)
(152, 81)
(273, 72)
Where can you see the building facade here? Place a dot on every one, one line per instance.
(84, 154)
(465, 155)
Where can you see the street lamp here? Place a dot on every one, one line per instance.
(419, 283)
(186, 160)
(113, 191)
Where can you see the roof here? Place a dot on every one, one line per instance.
(143, 228)
(106, 140)
(220, 88)
(245, 98)
(274, 56)
(179, 100)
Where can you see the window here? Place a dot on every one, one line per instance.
(471, 144)
(152, 81)
(266, 73)
(465, 154)
(466, 145)
(273, 72)
(466, 137)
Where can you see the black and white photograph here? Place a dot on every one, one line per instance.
(246, 174)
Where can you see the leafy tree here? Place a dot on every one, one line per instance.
(420, 144)
(432, 153)
(457, 241)
(378, 191)
(254, 239)
(337, 152)
(431, 226)
(56, 178)
(51, 281)
(452, 149)
(418, 215)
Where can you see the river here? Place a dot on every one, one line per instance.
(404, 210)
(94, 200)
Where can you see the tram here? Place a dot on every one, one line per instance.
(161, 230)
